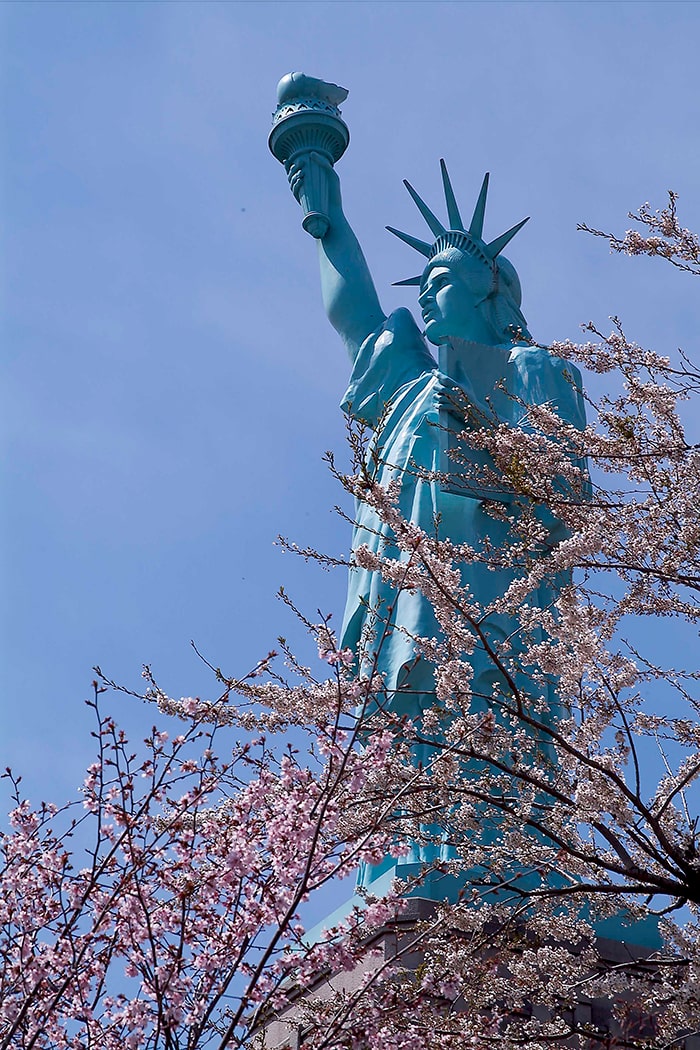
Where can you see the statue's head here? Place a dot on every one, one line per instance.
(468, 290)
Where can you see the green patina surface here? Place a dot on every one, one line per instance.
(473, 345)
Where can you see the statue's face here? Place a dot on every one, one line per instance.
(450, 297)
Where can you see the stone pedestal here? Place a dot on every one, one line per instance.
(592, 1022)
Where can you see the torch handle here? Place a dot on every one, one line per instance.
(313, 196)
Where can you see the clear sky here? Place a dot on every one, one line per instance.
(170, 380)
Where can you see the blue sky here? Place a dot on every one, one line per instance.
(170, 381)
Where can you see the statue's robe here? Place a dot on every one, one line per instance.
(393, 388)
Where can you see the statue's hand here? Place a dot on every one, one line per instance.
(312, 165)
(457, 400)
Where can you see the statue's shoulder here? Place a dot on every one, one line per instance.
(402, 320)
(394, 355)
(538, 376)
(527, 353)
(398, 331)
(528, 358)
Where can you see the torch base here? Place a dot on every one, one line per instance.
(316, 223)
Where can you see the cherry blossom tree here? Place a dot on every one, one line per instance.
(166, 907)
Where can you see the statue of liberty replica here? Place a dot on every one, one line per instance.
(471, 364)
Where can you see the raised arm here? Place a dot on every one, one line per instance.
(349, 295)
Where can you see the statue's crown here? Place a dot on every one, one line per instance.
(468, 240)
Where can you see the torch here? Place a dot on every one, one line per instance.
(307, 120)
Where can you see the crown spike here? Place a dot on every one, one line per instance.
(495, 247)
(420, 246)
(452, 209)
(476, 226)
(432, 220)
(414, 281)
